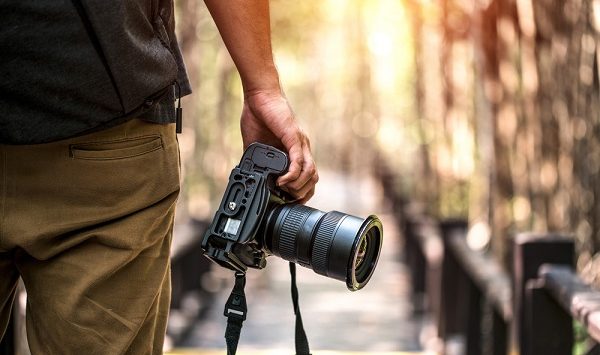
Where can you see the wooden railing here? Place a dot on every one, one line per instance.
(481, 306)
(474, 285)
(553, 297)
(477, 303)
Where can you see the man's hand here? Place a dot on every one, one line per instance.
(268, 118)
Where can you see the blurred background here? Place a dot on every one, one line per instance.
(486, 110)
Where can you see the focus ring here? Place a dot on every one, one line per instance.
(323, 241)
(290, 230)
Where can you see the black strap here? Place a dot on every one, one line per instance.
(235, 311)
(301, 340)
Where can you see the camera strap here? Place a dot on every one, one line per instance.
(301, 340)
(236, 310)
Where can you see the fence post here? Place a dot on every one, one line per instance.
(499, 334)
(474, 314)
(549, 327)
(416, 262)
(454, 296)
(530, 252)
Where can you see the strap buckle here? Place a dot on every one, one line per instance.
(236, 306)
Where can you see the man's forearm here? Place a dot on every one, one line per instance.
(245, 28)
(266, 115)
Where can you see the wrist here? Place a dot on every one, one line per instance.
(264, 81)
(265, 99)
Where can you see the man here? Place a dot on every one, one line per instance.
(89, 169)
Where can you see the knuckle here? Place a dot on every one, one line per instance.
(295, 168)
(311, 169)
(293, 137)
(315, 178)
(296, 185)
(306, 140)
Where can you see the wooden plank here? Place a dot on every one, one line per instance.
(575, 296)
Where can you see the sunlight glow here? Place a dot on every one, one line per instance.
(479, 235)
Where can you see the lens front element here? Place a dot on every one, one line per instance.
(366, 254)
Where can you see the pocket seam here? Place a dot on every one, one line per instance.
(79, 151)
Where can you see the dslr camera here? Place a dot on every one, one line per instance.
(256, 219)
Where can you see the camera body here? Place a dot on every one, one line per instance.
(256, 219)
(231, 238)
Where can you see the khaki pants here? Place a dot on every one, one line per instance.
(87, 223)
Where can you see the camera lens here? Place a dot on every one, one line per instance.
(333, 244)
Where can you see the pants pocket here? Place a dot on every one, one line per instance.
(116, 149)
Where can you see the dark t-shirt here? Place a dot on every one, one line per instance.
(64, 72)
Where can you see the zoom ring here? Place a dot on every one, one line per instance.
(323, 241)
(290, 230)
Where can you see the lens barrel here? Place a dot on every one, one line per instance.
(333, 244)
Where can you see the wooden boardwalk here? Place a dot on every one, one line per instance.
(377, 320)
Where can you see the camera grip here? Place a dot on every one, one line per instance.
(243, 207)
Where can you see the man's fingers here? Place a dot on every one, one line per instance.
(293, 172)
(309, 171)
(308, 190)
(302, 187)
(294, 145)
(308, 196)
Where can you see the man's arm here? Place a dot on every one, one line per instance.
(266, 116)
